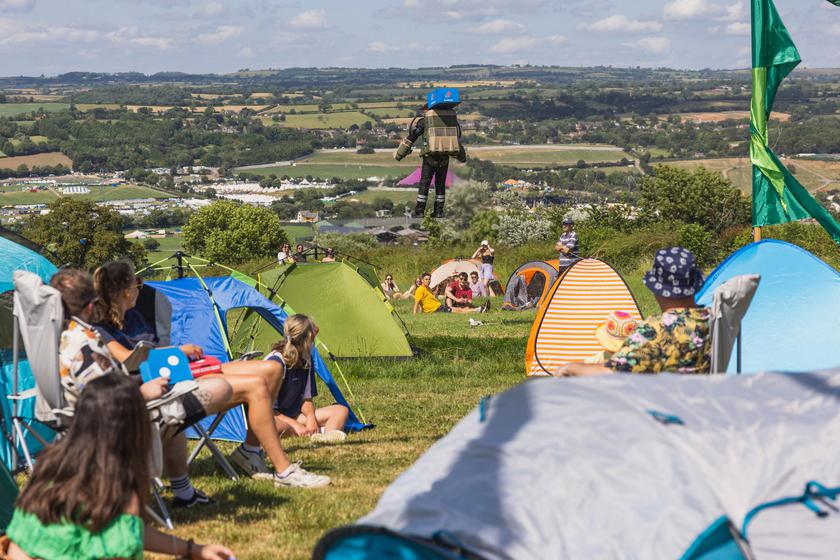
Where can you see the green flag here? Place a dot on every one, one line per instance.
(835, 2)
(777, 196)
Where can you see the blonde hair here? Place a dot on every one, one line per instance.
(296, 346)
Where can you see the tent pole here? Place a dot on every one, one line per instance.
(15, 366)
(757, 234)
(180, 256)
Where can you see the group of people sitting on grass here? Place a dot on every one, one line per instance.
(85, 496)
(301, 254)
(457, 296)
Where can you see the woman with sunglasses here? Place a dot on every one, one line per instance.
(390, 288)
(254, 382)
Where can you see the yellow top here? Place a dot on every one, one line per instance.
(427, 299)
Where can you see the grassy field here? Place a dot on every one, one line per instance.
(49, 158)
(345, 171)
(124, 192)
(14, 109)
(812, 174)
(344, 119)
(298, 231)
(549, 155)
(400, 198)
(168, 246)
(16, 197)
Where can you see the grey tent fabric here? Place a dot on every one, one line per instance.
(621, 466)
(729, 305)
(39, 313)
(516, 294)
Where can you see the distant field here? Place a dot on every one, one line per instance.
(124, 192)
(812, 174)
(168, 246)
(309, 108)
(391, 112)
(463, 84)
(49, 158)
(13, 198)
(328, 171)
(400, 198)
(548, 155)
(718, 116)
(351, 157)
(91, 106)
(326, 120)
(13, 109)
(296, 232)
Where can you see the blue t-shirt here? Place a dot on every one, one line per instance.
(135, 329)
(298, 386)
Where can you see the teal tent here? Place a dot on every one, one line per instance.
(16, 253)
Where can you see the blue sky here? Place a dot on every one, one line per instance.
(54, 36)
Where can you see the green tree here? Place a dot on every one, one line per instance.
(230, 233)
(83, 235)
(699, 197)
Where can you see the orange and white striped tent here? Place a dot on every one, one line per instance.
(579, 301)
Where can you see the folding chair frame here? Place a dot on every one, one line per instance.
(205, 440)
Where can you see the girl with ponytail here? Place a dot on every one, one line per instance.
(294, 412)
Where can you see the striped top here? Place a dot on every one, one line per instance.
(564, 331)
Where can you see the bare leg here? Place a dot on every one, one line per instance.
(332, 417)
(465, 309)
(271, 371)
(214, 394)
(254, 391)
(175, 456)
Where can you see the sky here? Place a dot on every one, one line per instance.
(217, 36)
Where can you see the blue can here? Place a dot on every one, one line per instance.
(443, 98)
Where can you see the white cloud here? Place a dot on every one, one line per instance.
(737, 28)
(621, 23)
(686, 9)
(246, 52)
(736, 11)
(380, 47)
(130, 36)
(16, 5)
(14, 33)
(212, 9)
(514, 44)
(657, 45)
(498, 27)
(557, 40)
(220, 35)
(310, 20)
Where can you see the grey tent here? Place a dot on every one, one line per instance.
(622, 466)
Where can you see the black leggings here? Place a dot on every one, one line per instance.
(428, 171)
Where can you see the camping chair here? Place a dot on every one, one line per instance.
(38, 321)
(729, 305)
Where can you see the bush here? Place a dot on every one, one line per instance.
(352, 244)
(151, 244)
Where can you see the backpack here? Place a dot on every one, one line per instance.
(442, 132)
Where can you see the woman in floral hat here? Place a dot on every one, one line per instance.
(676, 340)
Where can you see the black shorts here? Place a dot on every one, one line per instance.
(193, 410)
(443, 309)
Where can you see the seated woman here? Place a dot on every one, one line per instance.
(330, 256)
(255, 383)
(294, 412)
(409, 294)
(85, 497)
(390, 288)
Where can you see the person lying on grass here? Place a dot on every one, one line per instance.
(676, 340)
(85, 497)
(294, 412)
(254, 382)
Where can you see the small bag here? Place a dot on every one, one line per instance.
(208, 365)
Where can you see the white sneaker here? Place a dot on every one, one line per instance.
(334, 436)
(298, 477)
(252, 464)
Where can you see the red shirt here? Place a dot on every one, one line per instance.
(459, 291)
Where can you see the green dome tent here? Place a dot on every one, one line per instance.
(355, 317)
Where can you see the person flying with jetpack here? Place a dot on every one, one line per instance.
(437, 123)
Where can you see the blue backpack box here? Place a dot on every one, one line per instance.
(443, 98)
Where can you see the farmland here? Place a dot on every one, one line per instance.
(814, 175)
(343, 119)
(14, 109)
(49, 158)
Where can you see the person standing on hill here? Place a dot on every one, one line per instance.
(568, 245)
(487, 254)
(438, 124)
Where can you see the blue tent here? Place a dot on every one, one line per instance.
(792, 323)
(14, 256)
(199, 316)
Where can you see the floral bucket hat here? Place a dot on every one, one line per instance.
(674, 274)
(612, 332)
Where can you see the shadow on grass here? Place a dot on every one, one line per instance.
(247, 501)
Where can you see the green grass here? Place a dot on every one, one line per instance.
(543, 156)
(14, 109)
(412, 402)
(124, 192)
(298, 231)
(343, 119)
(13, 198)
(168, 246)
(400, 198)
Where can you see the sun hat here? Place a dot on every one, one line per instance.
(612, 332)
(568, 222)
(485, 242)
(675, 273)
